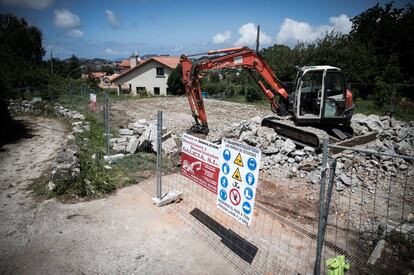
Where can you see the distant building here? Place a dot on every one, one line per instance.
(127, 64)
(150, 75)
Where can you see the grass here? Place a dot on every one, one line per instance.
(404, 108)
(242, 99)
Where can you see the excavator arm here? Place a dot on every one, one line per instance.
(232, 58)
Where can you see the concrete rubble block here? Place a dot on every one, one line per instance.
(308, 166)
(139, 130)
(113, 158)
(142, 121)
(345, 179)
(288, 146)
(170, 197)
(119, 148)
(35, 99)
(149, 138)
(78, 116)
(256, 120)
(132, 145)
(270, 150)
(169, 146)
(126, 132)
(263, 131)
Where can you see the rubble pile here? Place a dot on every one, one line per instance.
(142, 136)
(283, 158)
(24, 106)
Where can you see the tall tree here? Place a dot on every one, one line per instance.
(21, 53)
(74, 69)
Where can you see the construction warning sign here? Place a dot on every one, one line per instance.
(238, 178)
(239, 161)
(200, 162)
(236, 175)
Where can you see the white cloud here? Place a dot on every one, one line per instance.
(75, 33)
(30, 4)
(341, 23)
(112, 19)
(110, 51)
(65, 19)
(248, 36)
(292, 31)
(222, 38)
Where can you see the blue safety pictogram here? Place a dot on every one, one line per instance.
(252, 164)
(224, 182)
(250, 178)
(248, 193)
(223, 194)
(225, 168)
(247, 208)
(226, 155)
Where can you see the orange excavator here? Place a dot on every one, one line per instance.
(319, 98)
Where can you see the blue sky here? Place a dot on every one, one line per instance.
(113, 29)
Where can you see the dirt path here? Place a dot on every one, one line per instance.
(121, 234)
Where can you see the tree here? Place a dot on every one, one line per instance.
(175, 82)
(108, 70)
(21, 54)
(74, 69)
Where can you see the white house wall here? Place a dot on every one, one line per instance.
(146, 76)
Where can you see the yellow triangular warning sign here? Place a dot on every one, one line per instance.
(238, 161)
(236, 175)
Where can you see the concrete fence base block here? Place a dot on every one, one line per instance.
(113, 158)
(168, 198)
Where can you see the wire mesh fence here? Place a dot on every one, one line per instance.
(371, 200)
(274, 243)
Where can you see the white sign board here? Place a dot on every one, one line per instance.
(92, 97)
(238, 178)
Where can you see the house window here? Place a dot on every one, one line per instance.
(160, 71)
(140, 90)
(156, 90)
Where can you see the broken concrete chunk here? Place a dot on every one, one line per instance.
(263, 131)
(345, 179)
(256, 120)
(169, 146)
(126, 132)
(288, 146)
(132, 145)
(113, 158)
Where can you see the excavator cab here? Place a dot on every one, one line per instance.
(320, 97)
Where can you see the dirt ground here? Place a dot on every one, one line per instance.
(121, 234)
(177, 114)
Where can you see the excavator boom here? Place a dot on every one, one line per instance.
(232, 58)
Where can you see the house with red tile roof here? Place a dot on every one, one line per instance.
(147, 76)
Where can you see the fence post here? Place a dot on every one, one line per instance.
(106, 121)
(319, 244)
(159, 153)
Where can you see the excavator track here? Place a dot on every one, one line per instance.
(305, 136)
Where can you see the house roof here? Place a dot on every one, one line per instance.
(168, 61)
(97, 74)
(125, 63)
